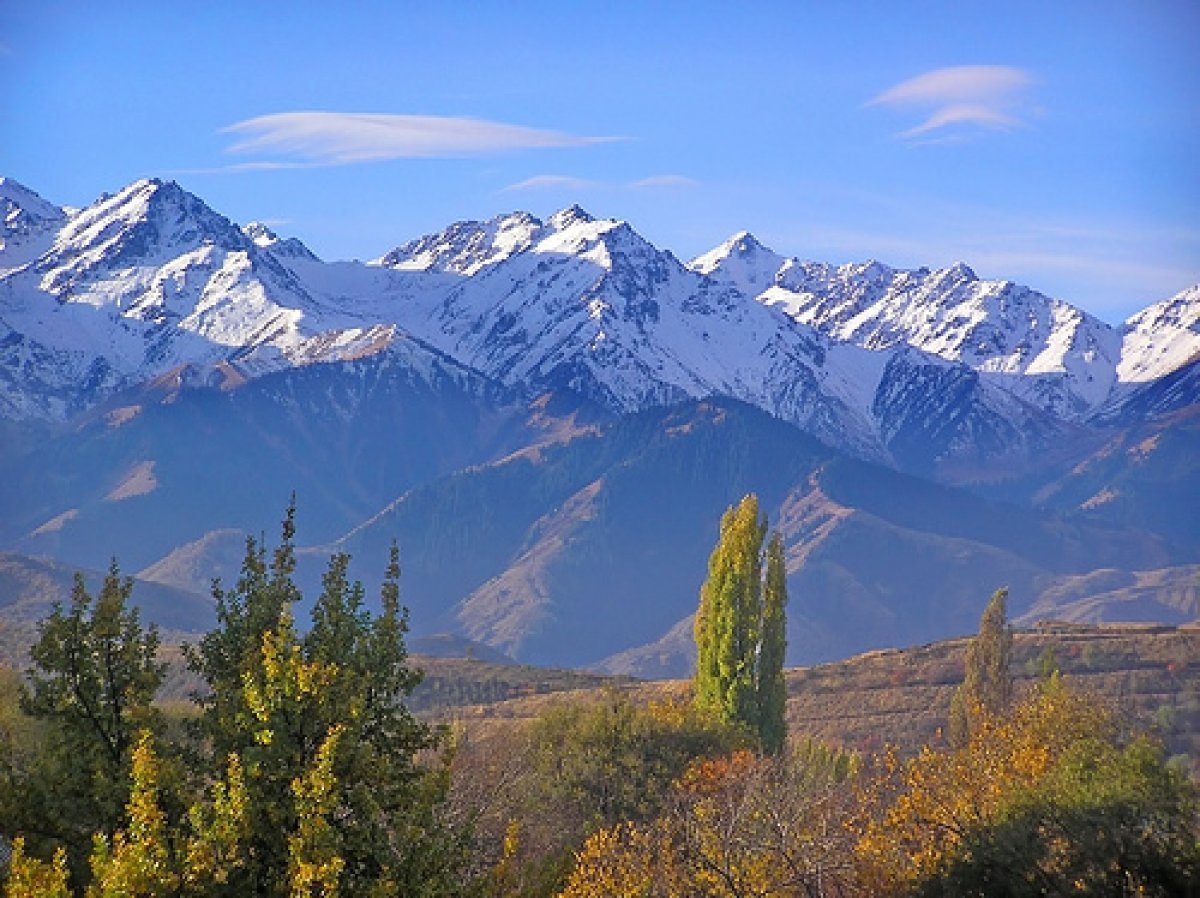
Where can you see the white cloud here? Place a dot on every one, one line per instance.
(342, 138)
(991, 97)
(663, 181)
(567, 182)
(551, 182)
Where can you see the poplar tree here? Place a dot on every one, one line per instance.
(740, 641)
(772, 690)
(986, 689)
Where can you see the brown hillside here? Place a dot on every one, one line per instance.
(902, 697)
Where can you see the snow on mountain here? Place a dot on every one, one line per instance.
(587, 304)
(27, 224)
(1044, 350)
(281, 248)
(889, 364)
(150, 279)
(742, 263)
(466, 247)
(1162, 338)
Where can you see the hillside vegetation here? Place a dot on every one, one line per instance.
(1150, 674)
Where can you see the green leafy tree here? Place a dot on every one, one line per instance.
(987, 682)
(276, 697)
(740, 641)
(264, 591)
(94, 676)
(772, 689)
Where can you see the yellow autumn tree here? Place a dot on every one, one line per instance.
(626, 861)
(136, 861)
(1027, 802)
(742, 825)
(316, 866)
(29, 877)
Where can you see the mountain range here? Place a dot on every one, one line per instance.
(549, 416)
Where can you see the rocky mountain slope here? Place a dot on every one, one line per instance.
(550, 416)
(924, 370)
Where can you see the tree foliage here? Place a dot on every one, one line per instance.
(322, 733)
(1045, 800)
(29, 877)
(986, 689)
(94, 676)
(771, 687)
(740, 633)
(308, 775)
(738, 825)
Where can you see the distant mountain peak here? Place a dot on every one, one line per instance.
(960, 271)
(260, 234)
(466, 247)
(743, 243)
(15, 193)
(573, 301)
(572, 215)
(1161, 338)
(264, 238)
(23, 213)
(741, 262)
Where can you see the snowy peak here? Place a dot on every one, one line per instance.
(1044, 350)
(1162, 338)
(23, 211)
(741, 262)
(148, 223)
(27, 225)
(260, 234)
(891, 364)
(569, 217)
(466, 247)
(289, 248)
(957, 275)
(741, 245)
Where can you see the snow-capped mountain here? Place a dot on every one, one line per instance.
(27, 224)
(589, 305)
(1161, 339)
(492, 396)
(920, 368)
(1044, 350)
(146, 281)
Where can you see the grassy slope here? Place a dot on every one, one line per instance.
(1149, 674)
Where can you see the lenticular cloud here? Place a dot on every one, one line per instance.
(341, 138)
(981, 96)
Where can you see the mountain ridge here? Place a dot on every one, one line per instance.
(150, 278)
(549, 416)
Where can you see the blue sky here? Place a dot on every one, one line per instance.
(1055, 144)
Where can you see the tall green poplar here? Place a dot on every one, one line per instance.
(732, 676)
(986, 689)
(772, 690)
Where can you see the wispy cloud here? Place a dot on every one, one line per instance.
(342, 138)
(991, 97)
(551, 182)
(246, 167)
(568, 182)
(663, 181)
